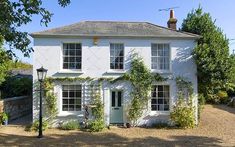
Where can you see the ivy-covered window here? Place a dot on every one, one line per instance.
(71, 100)
(72, 56)
(160, 98)
(116, 55)
(160, 56)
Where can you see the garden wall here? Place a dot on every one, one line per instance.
(17, 106)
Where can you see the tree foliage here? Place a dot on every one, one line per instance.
(14, 14)
(211, 53)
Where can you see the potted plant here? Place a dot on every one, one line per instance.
(4, 118)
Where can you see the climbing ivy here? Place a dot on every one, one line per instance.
(50, 99)
(141, 79)
(183, 114)
(182, 84)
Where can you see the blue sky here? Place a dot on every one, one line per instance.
(133, 10)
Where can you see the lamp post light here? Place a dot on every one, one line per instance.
(41, 72)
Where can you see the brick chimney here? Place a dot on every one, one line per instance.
(172, 21)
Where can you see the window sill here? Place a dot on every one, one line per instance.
(116, 71)
(71, 71)
(161, 71)
(68, 113)
(160, 112)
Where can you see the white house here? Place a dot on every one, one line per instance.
(103, 49)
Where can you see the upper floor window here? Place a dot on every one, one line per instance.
(71, 100)
(72, 56)
(160, 56)
(116, 55)
(160, 98)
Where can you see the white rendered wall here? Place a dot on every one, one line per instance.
(96, 61)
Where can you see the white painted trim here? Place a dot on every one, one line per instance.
(170, 99)
(114, 42)
(66, 113)
(170, 57)
(61, 58)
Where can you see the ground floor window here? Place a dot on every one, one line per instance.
(71, 97)
(160, 97)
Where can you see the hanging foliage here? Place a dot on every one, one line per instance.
(141, 79)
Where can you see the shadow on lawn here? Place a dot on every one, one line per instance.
(225, 108)
(104, 139)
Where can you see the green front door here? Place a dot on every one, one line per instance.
(116, 115)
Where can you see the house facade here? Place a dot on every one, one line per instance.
(104, 49)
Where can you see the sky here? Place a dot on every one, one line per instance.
(222, 11)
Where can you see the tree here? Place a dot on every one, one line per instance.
(14, 14)
(4, 60)
(232, 75)
(211, 53)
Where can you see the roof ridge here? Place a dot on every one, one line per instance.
(115, 21)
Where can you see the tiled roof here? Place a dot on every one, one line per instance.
(114, 29)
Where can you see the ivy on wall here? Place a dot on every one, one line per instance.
(183, 113)
(141, 79)
(139, 76)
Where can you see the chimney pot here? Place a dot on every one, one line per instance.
(172, 21)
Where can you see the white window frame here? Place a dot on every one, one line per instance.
(69, 98)
(117, 70)
(161, 111)
(170, 65)
(62, 70)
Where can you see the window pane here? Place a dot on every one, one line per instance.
(71, 101)
(71, 107)
(113, 99)
(160, 56)
(116, 56)
(65, 107)
(166, 107)
(65, 66)
(154, 101)
(71, 97)
(119, 98)
(78, 107)
(154, 107)
(161, 102)
(65, 94)
(66, 52)
(71, 54)
(71, 46)
(65, 101)
(78, 46)
(78, 94)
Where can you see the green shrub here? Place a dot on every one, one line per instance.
(14, 86)
(201, 103)
(96, 125)
(223, 96)
(35, 125)
(70, 125)
(183, 114)
(3, 116)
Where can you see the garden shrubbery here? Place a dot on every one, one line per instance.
(183, 114)
(35, 126)
(96, 125)
(70, 125)
(14, 86)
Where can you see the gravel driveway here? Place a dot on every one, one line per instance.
(217, 128)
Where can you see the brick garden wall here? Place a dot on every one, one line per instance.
(17, 106)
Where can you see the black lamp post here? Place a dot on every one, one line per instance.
(41, 76)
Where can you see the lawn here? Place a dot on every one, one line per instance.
(217, 128)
